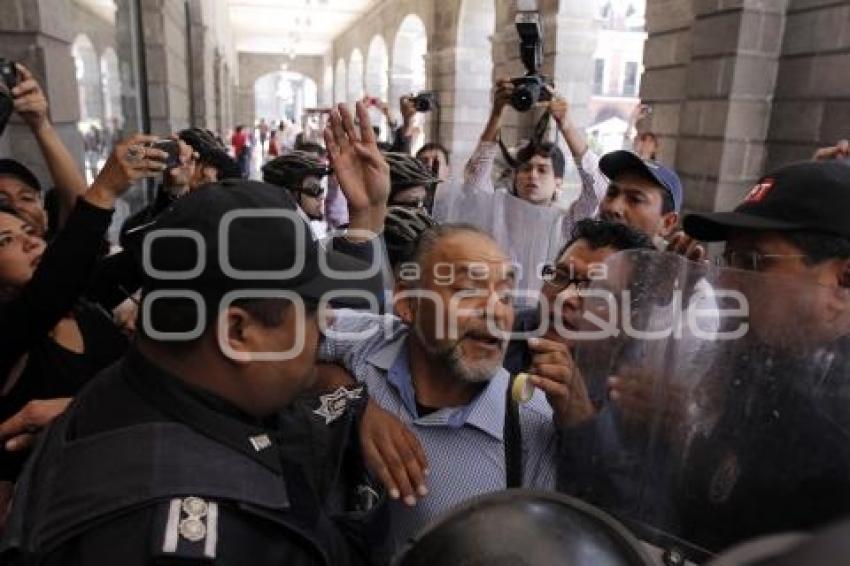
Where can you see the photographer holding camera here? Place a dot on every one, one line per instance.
(410, 105)
(539, 173)
(19, 187)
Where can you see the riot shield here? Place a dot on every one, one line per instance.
(530, 234)
(721, 402)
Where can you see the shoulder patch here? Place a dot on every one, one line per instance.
(187, 528)
(332, 405)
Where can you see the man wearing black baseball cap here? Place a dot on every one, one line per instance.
(795, 221)
(175, 453)
(776, 458)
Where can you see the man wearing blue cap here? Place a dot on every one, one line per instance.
(642, 194)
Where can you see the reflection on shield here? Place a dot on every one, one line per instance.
(531, 235)
(732, 413)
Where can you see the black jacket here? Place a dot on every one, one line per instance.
(117, 477)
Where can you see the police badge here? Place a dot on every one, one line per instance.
(333, 405)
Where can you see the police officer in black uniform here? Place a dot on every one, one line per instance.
(174, 455)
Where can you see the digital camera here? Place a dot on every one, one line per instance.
(530, 89)
(425, 101)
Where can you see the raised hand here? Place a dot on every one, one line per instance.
(130, 161)
(502, 92)
(840, 150)
(360, 169)
(30, 101)
(559, 108)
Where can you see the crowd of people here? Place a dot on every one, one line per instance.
(327, 365)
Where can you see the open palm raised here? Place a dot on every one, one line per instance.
(361, 170)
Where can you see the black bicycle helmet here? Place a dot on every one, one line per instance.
(289, 170)
(406, 171)
(210, 151)
(402, 228)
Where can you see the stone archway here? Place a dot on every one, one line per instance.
(88, 81)
(355, 76)
(341, 82)
(473, 75)
(377, 68)
(252, 66)
(284, 94)
(409, 74)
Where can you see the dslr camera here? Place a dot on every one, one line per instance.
(530, 89)
(425, 101)
(9, 79)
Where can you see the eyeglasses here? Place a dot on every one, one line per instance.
(751, 260)
(314, 190)
(420, 204)
(562, 279)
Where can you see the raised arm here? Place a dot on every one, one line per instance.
(69, 261)
(362, 172)
(31, 105)
(594, 185)
(479, 169)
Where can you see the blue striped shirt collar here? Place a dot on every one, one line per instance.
(486, 412)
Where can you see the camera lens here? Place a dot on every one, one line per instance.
(423, 104)
(523, 98)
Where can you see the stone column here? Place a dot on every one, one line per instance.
(463, 74)
(572, 31)
(729, 86)
(200, 89)
(811, 108)
(38, 34)
(667, 54)
(166, 48)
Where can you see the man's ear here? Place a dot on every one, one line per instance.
(669, 222)
(236, 334)
(838, 303)
(844, 278)
(403, 302)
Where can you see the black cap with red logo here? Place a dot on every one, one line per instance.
(810, 196)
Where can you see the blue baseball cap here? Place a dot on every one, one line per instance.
(618, 162)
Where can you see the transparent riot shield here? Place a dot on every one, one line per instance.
(530, 234)
(721, 402)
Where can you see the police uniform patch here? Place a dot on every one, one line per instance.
(191, 529)
(333, 405)
(260, 442)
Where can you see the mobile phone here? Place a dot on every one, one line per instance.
(172, 148)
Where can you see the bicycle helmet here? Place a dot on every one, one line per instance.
(402, 228)
(406, 171)
(211, 152)
(290, 170)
